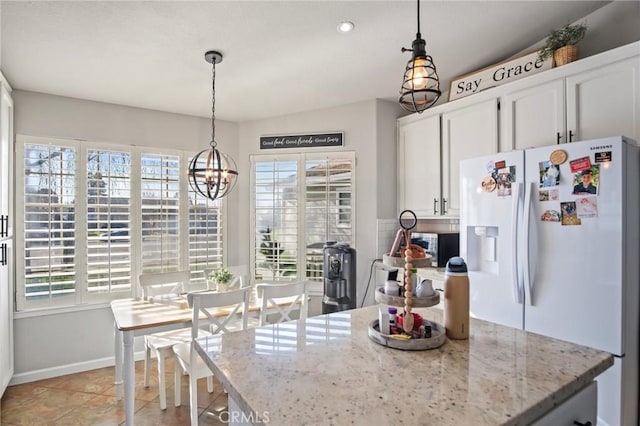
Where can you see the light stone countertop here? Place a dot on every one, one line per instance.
(326, 371)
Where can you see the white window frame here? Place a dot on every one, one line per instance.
(301, 159)
(81, 296)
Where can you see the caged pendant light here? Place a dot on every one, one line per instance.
(212, 173)
(420, 86)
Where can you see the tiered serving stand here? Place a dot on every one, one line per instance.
(408, 221)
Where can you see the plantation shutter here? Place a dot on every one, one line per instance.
(47, 221)
(329, 184)
(109, 261)
(205, 235)
(276, 218)
(160, 212)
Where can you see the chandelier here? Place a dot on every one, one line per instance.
(420, 86)
(212, 173)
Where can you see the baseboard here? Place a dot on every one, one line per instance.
(63, 370)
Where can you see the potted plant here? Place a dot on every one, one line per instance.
(222, 278)
(562, 44)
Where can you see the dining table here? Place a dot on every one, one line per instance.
(135, 317)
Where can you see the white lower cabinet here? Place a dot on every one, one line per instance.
(6, 313)
(580, 409)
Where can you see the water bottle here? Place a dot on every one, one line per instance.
(456, 299)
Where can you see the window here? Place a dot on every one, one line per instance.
(300, 201)
(94, 217)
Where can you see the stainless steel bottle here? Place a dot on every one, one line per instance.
(456, 299)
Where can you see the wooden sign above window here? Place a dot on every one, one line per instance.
(301, 141)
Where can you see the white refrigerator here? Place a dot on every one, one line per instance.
(551, 238)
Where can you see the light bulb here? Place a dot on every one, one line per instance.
(420, 74)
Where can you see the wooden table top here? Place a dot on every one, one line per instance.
(136, 313)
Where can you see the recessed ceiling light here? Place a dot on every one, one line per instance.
(345, 27)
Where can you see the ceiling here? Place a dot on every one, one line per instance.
(280, 57)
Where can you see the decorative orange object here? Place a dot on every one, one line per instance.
(417, 252)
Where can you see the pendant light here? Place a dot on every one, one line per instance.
(420, 86)
(212, 173)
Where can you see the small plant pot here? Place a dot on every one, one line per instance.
(221, 288)
(565, 54)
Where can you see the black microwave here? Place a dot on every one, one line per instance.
(442, 246)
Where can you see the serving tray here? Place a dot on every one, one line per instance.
(417, 302)
(437, 339)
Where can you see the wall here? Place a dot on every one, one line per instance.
(369, 130)
(62, 341)
(600, 37)
(81, 340)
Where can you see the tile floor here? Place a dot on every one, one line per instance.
(89, 399)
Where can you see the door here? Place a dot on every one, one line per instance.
(6, 313)
(533, 117)
(468, 132)
(488, 235)
(573, 281)
(6, 156)
(605, 101)
(419, 166)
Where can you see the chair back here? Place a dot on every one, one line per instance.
(217, 311)
(240, 276)
(164, 283)
(282, 300)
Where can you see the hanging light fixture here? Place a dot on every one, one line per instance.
(420, 86)
(212, 173)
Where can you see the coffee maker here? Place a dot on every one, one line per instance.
(339, 277)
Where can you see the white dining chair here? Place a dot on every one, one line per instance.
(281, 300)
(211, 310)
(164, 288)
(240, 276)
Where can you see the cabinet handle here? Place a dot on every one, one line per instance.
(435, 206)
(570, 136)
(3, 260)
(558, 138)
(444, 206)
(6, 226)
(2, 234)
(577, 423)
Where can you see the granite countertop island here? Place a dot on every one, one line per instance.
(326, 371)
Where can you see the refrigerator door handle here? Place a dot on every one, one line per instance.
(517, 292)
(529, 191)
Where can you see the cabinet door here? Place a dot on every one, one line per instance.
(466, 133)
(6, 313)
(605, 101)
(533, 117)
(6, 159)
(419, 166)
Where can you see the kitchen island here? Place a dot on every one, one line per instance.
(326, 371)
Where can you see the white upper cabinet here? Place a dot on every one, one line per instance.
(605, 101)
(419, 165)
(467, 132)
(533, 116)
(593, 98)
